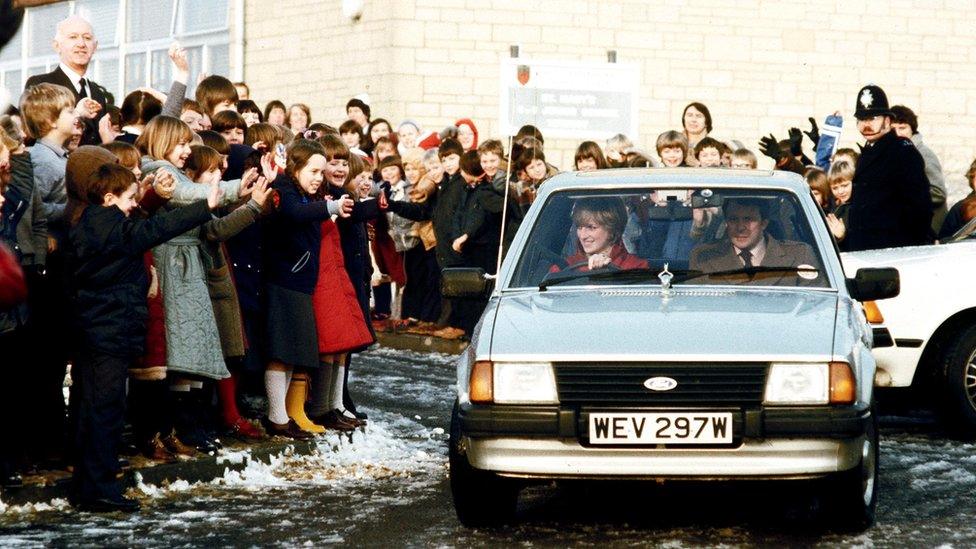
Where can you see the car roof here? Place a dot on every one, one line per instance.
(695, 177)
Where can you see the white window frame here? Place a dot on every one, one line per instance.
(224, 36)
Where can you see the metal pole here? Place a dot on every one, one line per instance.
(508, 177)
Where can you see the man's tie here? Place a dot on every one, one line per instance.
(84, 89)
(746, 256)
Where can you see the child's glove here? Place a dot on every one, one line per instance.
(814, 133)
(796, 141)
(769, 146)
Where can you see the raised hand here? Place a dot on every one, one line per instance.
(180, 62)
(597, 261)
(796, 141)
(267, 166)
(216, 193)
(165, 184)
(814, 133)
(261, 191)
(87, 108)
(248, 180)
(146, 184)
(769, 146)
(153, 92)
(105, 130)
(345, 206)
(836, 226)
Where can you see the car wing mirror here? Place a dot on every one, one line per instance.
(872, 284)
(461, 282)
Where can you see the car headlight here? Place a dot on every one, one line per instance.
(513, 383)
(810, 383)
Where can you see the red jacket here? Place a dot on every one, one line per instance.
(618, 257)
(13, 287)
(338, 316)
(155, 353)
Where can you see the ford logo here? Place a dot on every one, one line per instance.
(660, 383)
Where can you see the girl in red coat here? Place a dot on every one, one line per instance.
(339, 319)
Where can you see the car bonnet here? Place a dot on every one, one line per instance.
(640, 324)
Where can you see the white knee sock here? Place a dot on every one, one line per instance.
(338, 384)
(276, 385)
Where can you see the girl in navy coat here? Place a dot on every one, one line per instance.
(292, 245)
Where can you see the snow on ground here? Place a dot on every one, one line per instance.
(388, 486)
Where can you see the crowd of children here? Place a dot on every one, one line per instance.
(208, 241)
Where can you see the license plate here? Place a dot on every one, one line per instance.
(661, 428)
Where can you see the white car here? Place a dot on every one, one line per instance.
(925, 338)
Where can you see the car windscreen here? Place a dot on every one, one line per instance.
(724, 236)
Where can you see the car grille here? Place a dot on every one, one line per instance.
(698, 384)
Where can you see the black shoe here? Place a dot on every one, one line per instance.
(124, 463)
(110, 505)
(197, 438)
(334, 421)
(288, 430)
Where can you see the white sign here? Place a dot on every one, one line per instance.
(569, 99)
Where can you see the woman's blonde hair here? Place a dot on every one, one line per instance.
(161, 135)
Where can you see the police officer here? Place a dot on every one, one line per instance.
(890, 205)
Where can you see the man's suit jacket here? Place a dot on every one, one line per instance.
(95, 91)
(720, 256)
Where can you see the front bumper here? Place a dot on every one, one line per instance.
(567, 458)
(552, 442)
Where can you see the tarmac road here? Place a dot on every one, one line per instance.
(389, 487)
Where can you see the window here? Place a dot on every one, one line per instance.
(142, 29)
(729, 236)
(41, 25)
(149, 20)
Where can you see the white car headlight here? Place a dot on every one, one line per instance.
(798, 384)
(524, 383)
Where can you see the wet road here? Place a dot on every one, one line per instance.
(389, 488)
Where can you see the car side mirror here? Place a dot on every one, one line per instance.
(461, 282)
(872, 284)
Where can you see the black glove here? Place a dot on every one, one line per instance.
(796, 141)
(387, 190)
(814, 133)
(769, 146)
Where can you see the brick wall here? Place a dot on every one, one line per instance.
(759, 65)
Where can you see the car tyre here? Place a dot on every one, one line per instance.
(481, 498)
(959, 404)
(852, 495)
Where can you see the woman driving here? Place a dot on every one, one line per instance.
(600, 223)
